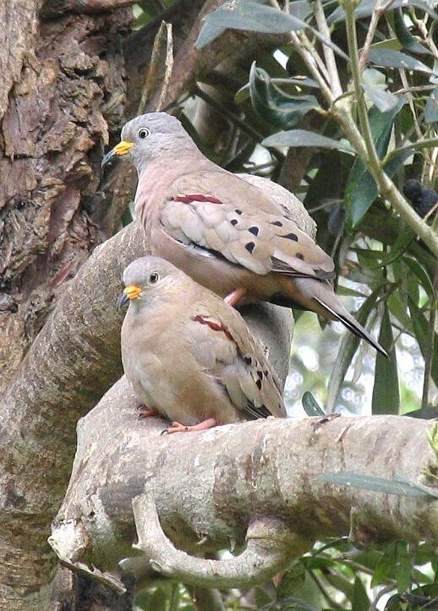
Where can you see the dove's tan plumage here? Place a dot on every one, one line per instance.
(224, 232)
(190, 356)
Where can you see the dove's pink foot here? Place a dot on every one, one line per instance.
(177, 427)
(235, 296)
(146, 412)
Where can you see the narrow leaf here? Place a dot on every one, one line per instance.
(360, 601)
(384, 100)
(431, 110)
(421, 274)
(408, 41)
(347, 350)
(302, 138)
(422, 332)
(397, 486)
(311, 405)
(386, 395)
(255, 17)
(248, 16)
(396, 59)
(366, 7)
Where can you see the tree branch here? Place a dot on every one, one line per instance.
(209, 487)
(269, 547)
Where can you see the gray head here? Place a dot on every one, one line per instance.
(148, 278)
(149, 136)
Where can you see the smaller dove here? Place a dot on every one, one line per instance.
(190, 356)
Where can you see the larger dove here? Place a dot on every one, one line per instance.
(188, 355)
(222, 231)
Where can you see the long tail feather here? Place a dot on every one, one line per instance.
(352, 325)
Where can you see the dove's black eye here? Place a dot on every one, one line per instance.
(143, 132)
(153, 278)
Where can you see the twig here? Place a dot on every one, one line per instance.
(425, 35)
(311, 47)
(416, 88)
(329, 55)
(372, 156)
(375, 16)
(309, 59)
(428, 361)
(420, 144)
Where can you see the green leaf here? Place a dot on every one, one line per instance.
(402, 242)
(398, 308)
(422, 332)
(255, 17)
(366, 8)
(375, 86)
(384, 100)
(361, 189)
(302, 138)
(248, 16)
(360, 601)
(385, 567)
(397, 486)
(311, 405)
(294, 578)
(347, 350)
(407, 40)
(431, 110)
(386, 395)
(421, 274)
(301, 9)
(272, 104)
(403, 567)
(159, 600)
(396, 59)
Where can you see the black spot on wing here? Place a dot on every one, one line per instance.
(290, 236)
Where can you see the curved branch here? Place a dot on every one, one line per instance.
(270, 546)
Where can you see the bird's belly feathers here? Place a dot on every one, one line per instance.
(185, 393)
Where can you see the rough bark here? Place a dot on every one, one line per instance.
(63, 95)
(252, 482)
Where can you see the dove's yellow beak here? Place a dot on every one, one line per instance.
(118, 151)
(130, 292)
